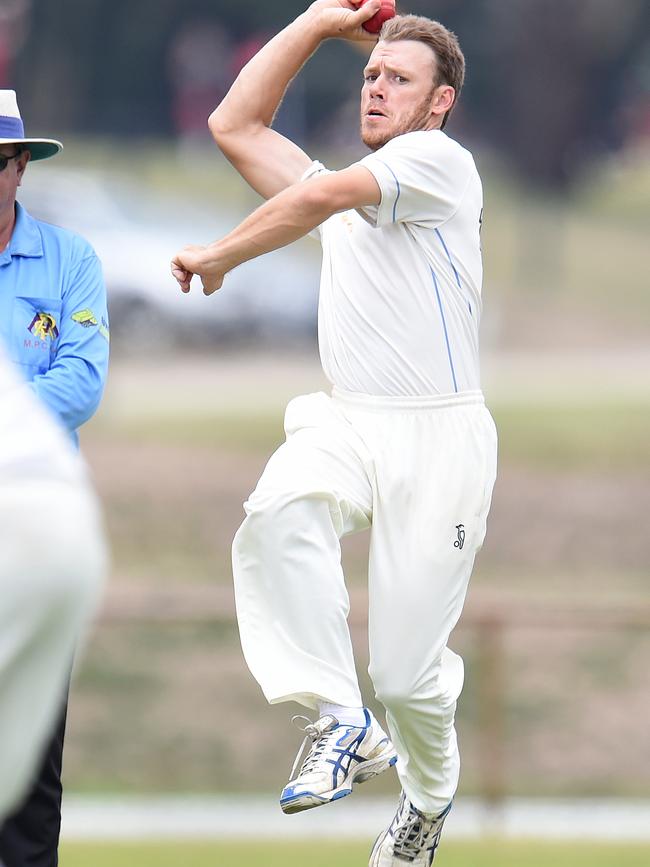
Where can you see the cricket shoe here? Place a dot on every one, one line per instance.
(339, 755)
(411, 839)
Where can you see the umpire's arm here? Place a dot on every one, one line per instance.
(286, 217)
(73, 386)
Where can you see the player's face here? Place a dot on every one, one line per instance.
(399, 94)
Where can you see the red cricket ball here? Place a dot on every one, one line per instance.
(373, 25)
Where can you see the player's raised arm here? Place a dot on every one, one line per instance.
(241, 124)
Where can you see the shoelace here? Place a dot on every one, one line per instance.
(415, 833)
(319, 740)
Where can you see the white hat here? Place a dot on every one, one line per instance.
(12, 130)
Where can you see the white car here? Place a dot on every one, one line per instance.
(135, 235)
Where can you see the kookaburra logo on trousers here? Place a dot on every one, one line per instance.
(460, 541)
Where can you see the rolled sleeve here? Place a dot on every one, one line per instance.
(316, 168)
(422, 177)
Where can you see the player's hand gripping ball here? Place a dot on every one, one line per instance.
(373, 25)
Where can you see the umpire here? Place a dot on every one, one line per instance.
(54, 322)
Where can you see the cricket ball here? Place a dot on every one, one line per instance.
(387, 10)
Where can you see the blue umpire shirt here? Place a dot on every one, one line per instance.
(53, 317)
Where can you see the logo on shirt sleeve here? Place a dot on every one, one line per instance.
(86, 318)
(43, 326)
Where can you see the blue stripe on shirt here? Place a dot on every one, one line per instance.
(451, 262)
(399, 189)
(444, 326)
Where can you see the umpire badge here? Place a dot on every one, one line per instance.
(43, 326)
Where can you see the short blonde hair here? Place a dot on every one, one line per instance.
(450, 61)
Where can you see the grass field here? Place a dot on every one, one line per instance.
(452, 854)
(178, 445)
(606, 435)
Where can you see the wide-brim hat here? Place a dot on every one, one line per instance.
(12, 130)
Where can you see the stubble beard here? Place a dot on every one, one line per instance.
(419, 119)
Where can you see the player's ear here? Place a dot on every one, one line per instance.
(443, 99)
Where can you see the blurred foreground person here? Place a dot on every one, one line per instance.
(52, 564)
(404, 444)
(54, 324)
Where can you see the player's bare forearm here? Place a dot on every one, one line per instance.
(283, 219)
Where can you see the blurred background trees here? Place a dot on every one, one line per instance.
(551, 84)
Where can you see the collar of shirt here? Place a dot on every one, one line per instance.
(25, 239)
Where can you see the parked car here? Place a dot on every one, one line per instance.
(135, 233)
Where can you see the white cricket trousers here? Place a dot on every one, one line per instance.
(419, 472)
(52, 566)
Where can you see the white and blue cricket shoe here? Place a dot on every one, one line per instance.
(339, 756)
(410, 840)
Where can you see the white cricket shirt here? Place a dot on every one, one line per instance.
(400, 295)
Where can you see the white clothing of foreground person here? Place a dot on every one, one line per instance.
(403, 445)
(52, 566)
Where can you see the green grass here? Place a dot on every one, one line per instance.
(597, 436)
(236, 430)
(591, 436)
(484, 853)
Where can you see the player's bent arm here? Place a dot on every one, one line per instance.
(345, 190)
(286, 217)
(241, 124)
(268, 161)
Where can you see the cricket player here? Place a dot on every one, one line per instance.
(52, 565)
(403, 445)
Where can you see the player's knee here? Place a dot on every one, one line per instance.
(392, 683)
(269, 525)
(393, 694)
(279, 523)
(397, 686)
